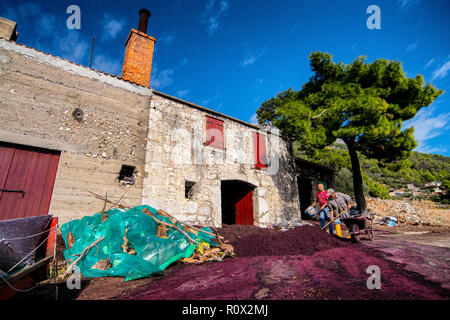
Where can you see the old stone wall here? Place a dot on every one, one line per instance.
(176, 153)
(39, 93)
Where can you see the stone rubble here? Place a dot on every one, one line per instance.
(289, 225)
(412, 212)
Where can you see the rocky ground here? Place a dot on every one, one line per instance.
(411, 212)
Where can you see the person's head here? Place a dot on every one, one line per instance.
(331, 193)
(320, 187)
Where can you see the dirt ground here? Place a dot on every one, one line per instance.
(413, 261)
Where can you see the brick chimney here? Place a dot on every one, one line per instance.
(137, 63)
(8, 29)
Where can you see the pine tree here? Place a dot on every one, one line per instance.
(364, 104)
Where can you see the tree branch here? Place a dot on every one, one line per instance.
(82, 255)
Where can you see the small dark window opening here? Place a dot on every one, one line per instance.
(188, 187)
(126, 175)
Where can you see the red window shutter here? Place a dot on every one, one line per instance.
(255, 150)
(219, 132)
(262, 150)
(214, 132)
(209, 130)
(259, 151)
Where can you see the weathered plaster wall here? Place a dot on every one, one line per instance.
(38, 95)
(175, 153)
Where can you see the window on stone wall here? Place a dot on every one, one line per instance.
(259, 151)
(126, 175)
(188, 189)
(214, 133)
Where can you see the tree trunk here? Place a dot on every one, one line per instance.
(357, 177)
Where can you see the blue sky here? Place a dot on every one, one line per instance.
(231, 55)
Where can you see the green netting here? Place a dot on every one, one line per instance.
(153, 254)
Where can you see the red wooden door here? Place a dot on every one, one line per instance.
(244, 207)
(27, 176)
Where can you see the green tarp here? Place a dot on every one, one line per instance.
(153, 254)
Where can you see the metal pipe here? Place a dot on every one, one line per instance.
(92, 51)
(143, 20)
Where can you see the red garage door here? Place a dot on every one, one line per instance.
(27, 176)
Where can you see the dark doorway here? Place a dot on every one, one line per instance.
(237, 202)
(305, 193)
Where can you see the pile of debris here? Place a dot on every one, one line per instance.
(255, 241)
(289, 225)
(412, 212)
(136, 242)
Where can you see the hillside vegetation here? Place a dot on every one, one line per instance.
(419, 169)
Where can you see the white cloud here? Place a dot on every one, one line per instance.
(253, 119)
(182, 93)
(428, 149)
(167, 39)
(215, 102)
(22, 12)
(259, 82)
(206, 102)
(111, 26)
(161, 79)
(184, 62)
(107, 64)
(441, 72)
(427, 126)
(430, 62)
(47, 23)
(252, 57)
(404, 4)
(52, 37)
(32, 14)
(212, 14)
(412, 47)
(71, 45)
(296, 26)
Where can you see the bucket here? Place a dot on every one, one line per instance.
(311, 212)
(390, 221)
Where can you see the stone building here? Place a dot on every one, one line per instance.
(67, 130)
(309, 175)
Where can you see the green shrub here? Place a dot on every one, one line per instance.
(344, 182)
(435, 199)
(376, 190)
